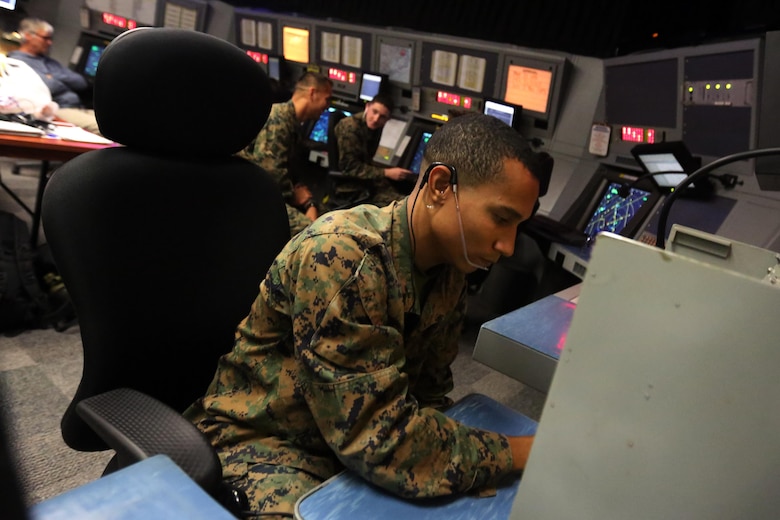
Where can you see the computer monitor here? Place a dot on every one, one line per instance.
(93, 57)
(295, 44)
(536, 84)
(668, 157)
(417, 158)
(182, 14)
(8, 4)
(614, 213)
(370, 85)
(396, 58)
(274, 68)
(319, 131)
(87, 54)
(506, 112)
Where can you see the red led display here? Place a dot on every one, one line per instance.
(115, 20)
(447, 98)
(119, 21)
(259, 57)
(342, 75)
(636, 134)
(633, 134)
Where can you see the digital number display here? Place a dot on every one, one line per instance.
(119, 21)
(636, 134)
(448, 98)
(259, 57)
(342, 75)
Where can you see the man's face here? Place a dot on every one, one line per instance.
(490, 214)
(376, 115)
(38, 42)
(319, 101)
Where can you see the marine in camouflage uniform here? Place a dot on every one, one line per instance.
(357, 144)
(275, 149)
(343, 362)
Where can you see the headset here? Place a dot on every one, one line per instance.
(453, 174)
(454, 183)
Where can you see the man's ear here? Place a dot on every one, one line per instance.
(440, 179)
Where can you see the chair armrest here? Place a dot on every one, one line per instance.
(138, 426)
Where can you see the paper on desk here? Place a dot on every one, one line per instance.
(74, 133)
(392, 133)
(14, 128)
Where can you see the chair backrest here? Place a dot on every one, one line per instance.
(333, 145)
(162, 243)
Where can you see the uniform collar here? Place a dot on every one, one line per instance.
(446, 287)
(403, 254)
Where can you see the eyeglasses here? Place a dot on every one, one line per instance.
(43, 37)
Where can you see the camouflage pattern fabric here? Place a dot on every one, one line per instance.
(275, 149)
(343, 361)
(357, 144)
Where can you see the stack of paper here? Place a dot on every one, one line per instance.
(74, 133)
(14, 128)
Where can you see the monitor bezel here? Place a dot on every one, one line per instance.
(518, 110)
(558, 66)
(409, 44)
(677, 149)
(383, 79)
(581, 210)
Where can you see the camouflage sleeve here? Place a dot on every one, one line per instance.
(272, 148)
(435, 380)
(349, 341)
(353, 151)
(298, 221)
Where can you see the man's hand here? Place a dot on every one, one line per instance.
(397, 174)
(304, 200)
(521, 448)
(301, 195)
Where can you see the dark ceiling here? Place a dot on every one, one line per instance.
(599, 28)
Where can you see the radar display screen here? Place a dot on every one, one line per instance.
(613, 212)
(414, 166)
(319, 132)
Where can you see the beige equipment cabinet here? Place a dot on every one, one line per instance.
(664, 403)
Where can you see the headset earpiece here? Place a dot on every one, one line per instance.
(453, 174)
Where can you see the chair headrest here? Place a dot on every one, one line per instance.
(178, 91)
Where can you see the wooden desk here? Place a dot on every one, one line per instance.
(45, 150)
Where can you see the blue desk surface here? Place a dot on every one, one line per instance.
(541, 325)
(348, 496)
(153, 489)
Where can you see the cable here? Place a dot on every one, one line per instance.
(462, 235)
(663, 216)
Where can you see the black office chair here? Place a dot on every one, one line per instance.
(343, 191)
(163, 242)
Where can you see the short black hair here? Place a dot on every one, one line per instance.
(476, 145)
(313, 79)
(385, 99)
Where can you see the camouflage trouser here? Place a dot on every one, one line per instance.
(274, 489)
(266, 473)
